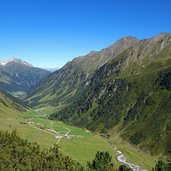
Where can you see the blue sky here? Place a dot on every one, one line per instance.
(48, 33)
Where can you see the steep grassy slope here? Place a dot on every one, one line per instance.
(10, 114)
(60, 87)
(132, 92)
(17, 76)
(12, 103)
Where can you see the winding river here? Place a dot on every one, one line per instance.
(122, 159)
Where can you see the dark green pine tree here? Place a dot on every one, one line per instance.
(102, 162)
(161, 166)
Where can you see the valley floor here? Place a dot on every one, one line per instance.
(78, 143)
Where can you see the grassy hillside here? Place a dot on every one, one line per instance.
(12, 103)
(10, 114)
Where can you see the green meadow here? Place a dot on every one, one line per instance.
(82, 147)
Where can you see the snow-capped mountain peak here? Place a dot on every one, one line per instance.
(15, 60)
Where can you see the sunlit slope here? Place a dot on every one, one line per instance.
(131, 91)
(60, 87)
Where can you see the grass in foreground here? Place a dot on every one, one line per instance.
(82, 149)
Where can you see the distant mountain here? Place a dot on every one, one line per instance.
(14, 60)
(17, 75)
(51, 69)
(126, 87)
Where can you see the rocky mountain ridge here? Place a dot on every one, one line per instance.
(76, 72)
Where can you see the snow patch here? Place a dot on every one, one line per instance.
(15, 60)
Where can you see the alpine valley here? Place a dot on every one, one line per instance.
(116, 100)
(126, 86)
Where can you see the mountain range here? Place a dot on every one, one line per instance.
(125, 87)
(62, 84)
(51, 69)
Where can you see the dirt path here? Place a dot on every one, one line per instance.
(40, 129)
(60, 137)
(64, 135)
